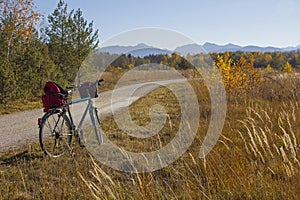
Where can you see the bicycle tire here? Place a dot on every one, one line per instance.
(55, 133)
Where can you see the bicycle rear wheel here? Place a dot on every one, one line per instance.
(55, 133)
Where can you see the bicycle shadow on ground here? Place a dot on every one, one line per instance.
(14, 159)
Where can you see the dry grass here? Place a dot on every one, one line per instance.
(20, 105)
(256, 157)
(270, 137)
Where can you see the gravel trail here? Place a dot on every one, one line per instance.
(21, 128)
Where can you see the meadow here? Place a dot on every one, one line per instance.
(256, 156)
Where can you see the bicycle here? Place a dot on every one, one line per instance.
(56, 127)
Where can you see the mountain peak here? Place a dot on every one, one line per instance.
(190, 49)
(142, 45)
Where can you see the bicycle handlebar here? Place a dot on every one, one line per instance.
(77, 86)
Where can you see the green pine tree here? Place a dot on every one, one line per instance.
(71, 39)
(60, 43)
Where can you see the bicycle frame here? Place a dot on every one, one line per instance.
(89, 108)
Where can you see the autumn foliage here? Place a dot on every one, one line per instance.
(239, 76)
(18, 19)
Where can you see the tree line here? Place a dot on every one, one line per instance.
(274, 60)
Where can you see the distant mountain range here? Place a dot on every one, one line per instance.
(142, 50)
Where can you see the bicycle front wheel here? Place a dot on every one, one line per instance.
(55, 134)
(97, 125)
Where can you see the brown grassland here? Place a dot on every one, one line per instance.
(256, 157)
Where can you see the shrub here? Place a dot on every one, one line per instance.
(239, 76)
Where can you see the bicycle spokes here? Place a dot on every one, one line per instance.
(55, 134)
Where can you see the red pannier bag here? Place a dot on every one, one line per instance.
(54, 95)
(88, 89)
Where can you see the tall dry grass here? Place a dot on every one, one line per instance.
(256, 157)
(271, 137)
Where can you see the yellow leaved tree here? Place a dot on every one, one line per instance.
(18, 19)
(269, 68)
(239, 76)
(287, 67)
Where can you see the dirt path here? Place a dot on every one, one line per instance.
(21, 128)
(18, 129)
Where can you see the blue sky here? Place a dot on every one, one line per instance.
(255, 22)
